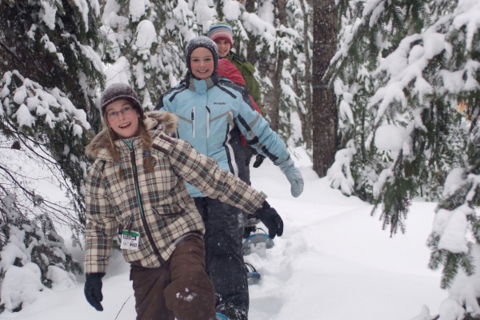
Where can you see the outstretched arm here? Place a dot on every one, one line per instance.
(204, 173)
(259, 134)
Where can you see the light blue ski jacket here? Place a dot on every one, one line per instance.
(211, 112)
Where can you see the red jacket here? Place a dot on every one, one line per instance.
(228, 70)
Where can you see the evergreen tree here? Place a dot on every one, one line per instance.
(305, 109)
(411, 68)
(50, 76)
(50, 73)
(54, 43)
(28, 245)
(145, 42)
(281, 59)
(146, 45)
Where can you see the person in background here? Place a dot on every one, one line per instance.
(238, 70)
(221, 33)
(228, 70)
(212, 113)
(137, 188)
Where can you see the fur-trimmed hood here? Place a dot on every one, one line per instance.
(156, 121)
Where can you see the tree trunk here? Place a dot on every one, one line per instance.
(306, 114)
(325, 114)
(275, 71)
(271, 100)
(252, 44)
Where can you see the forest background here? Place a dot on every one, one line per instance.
(335, 76)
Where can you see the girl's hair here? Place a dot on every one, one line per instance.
(145, 137)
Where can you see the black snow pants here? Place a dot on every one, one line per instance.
(224, 226)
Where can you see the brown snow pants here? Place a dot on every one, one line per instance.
(179, 289)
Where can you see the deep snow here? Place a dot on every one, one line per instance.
(334, 262)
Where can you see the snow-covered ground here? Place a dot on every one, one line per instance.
(334, 262)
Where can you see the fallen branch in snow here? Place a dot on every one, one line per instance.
(122, 307)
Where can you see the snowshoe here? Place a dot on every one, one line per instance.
(253, 277)
(221, 316)
(251, 243)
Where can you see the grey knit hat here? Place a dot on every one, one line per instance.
(205, 42)
(119, 91)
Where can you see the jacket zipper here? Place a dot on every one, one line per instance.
(208, 121)
(142, 213)
(193, 122)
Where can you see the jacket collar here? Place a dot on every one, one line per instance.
(200, 86)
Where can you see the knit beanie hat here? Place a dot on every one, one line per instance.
(201, 41)
(119, 91)
(221, 31)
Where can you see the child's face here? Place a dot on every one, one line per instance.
(223, 48)
(201, 63)
(123, 118)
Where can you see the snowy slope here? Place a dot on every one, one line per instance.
(333, 262)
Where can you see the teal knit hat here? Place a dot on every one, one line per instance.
(221, 31)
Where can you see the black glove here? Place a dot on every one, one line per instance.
(93, 290)
(258, 161)
(270, 219)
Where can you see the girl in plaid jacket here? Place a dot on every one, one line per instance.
(136, 189)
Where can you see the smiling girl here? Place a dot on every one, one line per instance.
(136, 189)
(212, 113)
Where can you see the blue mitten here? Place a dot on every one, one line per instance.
(293, 175)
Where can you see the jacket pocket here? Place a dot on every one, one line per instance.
(168, 210)
(167, 214)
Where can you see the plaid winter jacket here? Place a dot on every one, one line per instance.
(157, 204)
